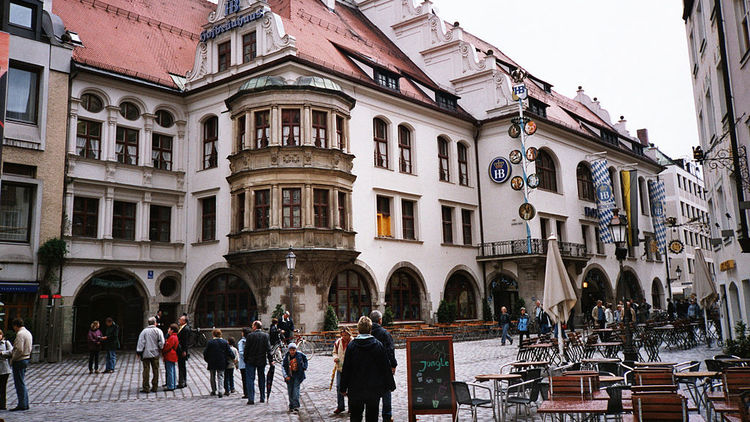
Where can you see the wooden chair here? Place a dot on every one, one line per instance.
(653, 377)
(650, 407)
(736, 381)
(573, 386)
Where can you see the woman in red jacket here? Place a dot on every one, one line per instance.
(170, 356)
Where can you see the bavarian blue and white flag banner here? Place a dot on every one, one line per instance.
(605, 199)
(656, 195)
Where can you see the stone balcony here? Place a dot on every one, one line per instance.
(278, 158)
(250, 246)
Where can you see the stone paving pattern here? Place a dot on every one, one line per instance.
(65, 391)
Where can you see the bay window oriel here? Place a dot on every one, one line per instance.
(320, 128)
(291, 208)
(290, 127)
(262, 128)
(262, 208)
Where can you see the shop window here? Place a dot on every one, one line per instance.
(210, 141)
(85, 217)
(160, 224)
(16, 206)
(161, 151)
(349, 296)
(262, 208)
(88, 139)
(458, 290)
(383, 219)
(226, 301)
(404, 148)
(208, 219)
(291, 207)
(123, 220)
(126, 145)
(290, 127)
(403, 297)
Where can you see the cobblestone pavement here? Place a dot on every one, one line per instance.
(67, 392)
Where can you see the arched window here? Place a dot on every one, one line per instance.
(403, 297)
(585, 183)
(380, 136)
(459, 291)
(92, 103)
(463, 165)
(129, 111)
(210, 140)
(226, 301)
(445, 175)
(545, 169)
(349, 296)
(656, 294)
(404, 148)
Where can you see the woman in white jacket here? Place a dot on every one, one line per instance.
(608, 315)
(339, 350)
(6, 349)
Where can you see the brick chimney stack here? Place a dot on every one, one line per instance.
(643, 136)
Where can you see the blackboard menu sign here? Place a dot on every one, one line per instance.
(429, 366)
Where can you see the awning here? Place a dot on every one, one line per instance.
(6, 287)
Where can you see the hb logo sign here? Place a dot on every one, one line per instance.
(232, 6)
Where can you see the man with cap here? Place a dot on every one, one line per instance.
(294, 367)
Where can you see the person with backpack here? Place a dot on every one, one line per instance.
(523, 326)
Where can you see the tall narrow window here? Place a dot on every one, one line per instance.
(241, 133)
(342, 210)
(380, 136)
(291, 207)
(225, 55)
(545, 169)
(161, 151)
(544, 227)
(262, 208)
(249, 47)
(407, 219)
(210, 141)
(585, 237)
(585, 183)
(126, 145)
(123, 220)
(466, 217)
(290, 127)
(320, 208)
(23, 93)
(16, 206)
(463, 165)
(262, 128)
(320, 128)
(240, 211)
(742, 12)
(443, 159)
(560, 229)
(404, 148)
(88, 139)
(384, 216)
(160, 223)
(208, 219)
(599, 243)
(447, 215)
(85, 216)
(339, 132)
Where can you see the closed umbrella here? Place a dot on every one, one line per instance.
(269, 379)
(703, 285)
(559, 296)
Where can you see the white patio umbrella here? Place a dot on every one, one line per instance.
(703, 286)
(559, 295)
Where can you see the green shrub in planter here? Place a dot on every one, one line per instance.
(331, 322)
(388, 316)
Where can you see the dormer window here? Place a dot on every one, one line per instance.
(537, 107)
(446, 101)
(386, 79)
(608, 136)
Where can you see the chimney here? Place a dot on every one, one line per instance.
(330, 4)
(643, 136)
(621, 126)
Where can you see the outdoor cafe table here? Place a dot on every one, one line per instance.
(590, 362)
(609, 379)
(608, 349)
(542, 350)
(664, 334)
(605, 333)
(691, 387)
(566, 406)
(532, 363)
(655, 364)
(499, 393)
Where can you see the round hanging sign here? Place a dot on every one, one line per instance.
(526, 211)
(532, 180)
(514, 131)
(515, 156)
(516, 183)
(676, 246)
(531, 153)
(529, 127)
(500, 170)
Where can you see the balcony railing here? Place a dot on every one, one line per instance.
(508, 248)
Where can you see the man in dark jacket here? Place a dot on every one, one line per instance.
(286, 327)
(110, 343)
(384, 337)
(257, 351)
(367, 373)
(216, 354)
(184, 336)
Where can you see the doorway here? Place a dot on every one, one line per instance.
(505, 293)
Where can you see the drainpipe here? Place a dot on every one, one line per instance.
(477, 131)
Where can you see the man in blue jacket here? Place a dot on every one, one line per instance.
(294, 367)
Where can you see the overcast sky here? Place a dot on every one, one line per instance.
(632, 55)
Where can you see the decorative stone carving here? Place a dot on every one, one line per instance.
(110, 171)
(438, 35)
(276, 36)
(200, 66)
(274, 158)
(181, 181)
(469, 58)
(308, 157)
(290, 159)
(503, 96)
(147, 176)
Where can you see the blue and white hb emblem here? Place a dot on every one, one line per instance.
(520, 92)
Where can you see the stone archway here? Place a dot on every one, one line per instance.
(597, 287)
(657, 294)
(114, 294)
(628, 286)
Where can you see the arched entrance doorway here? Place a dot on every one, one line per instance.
(734, 303)
(350, 296)
(113, 294)
(404, 296)
(628, 287)
(225, 300)
(504, 290)
(595, 286)
(460, 290)
(657, 294)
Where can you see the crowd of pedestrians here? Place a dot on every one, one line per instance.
(14, 359)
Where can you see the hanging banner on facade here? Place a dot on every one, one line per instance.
(656, 196)
(605, 198)
(629, 180)
(4, 43)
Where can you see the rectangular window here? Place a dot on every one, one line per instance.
(537, 107)
(225, 56)
(386, 79)
(23, 93)
(384, 216)
(161, 151)
(463, 166)
(123, 220)
(404, 147)
(342, 210)
(249, 47)
(262, 208)
(240, 211)
(291, 207)
(560, 228)
(16, 205)
(599, 243)
(290, 127)
(262, 128)
(88, 139)
(21, 15)
(447, 216)
(208, 219)
(585, 237)
(710, 117)
(210, 142)
(466, 217)
(126, 145)
(742, 11)
(241, 133)
(446, 101)
(407, 219)
(339, 132)
(159, 227)
(85, 216)
(544, 227)
(320, 207)
(320, 129)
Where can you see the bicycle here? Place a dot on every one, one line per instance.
(199, 337)
(303, 345)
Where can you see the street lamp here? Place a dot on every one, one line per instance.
(618, 228)
(678, 270)
(291, 262)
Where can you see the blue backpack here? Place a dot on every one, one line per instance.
(523, 323)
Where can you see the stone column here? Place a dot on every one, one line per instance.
(275, 126)
(331, 130)
(179, 147)
(335, 210)
(275, 207)
(109, 133)
(306, 126)
(106, 214)
(249, 141)
(307, 206)
(346, 135)
(73, 126)
(178, 221)
(145, 145)
(69, 198)
(249, 214)
(144, 225)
